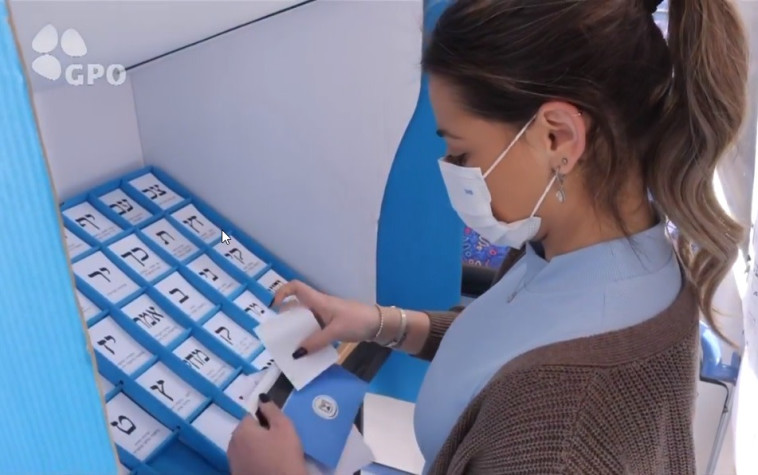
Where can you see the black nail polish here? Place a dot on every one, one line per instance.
(299, 353)
(263, 397)
(261, 419)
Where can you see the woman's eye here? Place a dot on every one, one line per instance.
(459, 160)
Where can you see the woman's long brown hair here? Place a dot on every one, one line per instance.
(667, 111)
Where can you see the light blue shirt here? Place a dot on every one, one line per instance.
(601, 288)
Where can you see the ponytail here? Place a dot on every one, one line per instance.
(701, 118)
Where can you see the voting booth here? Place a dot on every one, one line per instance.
(147, 136)
(164, 167)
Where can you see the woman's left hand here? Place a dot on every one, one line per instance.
(273, 450)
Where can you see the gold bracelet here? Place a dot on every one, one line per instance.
(381, 322)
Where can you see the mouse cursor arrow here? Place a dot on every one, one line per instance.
(225, 238)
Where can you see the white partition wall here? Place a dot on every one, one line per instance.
(90, 131)
(130, 32)
(290, 127)
(93, 129)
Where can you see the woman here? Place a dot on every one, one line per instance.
(574, 133)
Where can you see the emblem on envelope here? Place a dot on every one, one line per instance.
(324, 406)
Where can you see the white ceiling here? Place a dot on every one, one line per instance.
(129, 32)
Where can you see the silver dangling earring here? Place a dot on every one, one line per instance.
(561, 193)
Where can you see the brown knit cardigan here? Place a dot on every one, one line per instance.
(615, 403)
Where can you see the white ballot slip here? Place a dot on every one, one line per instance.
(204, 267)
(263, 360)
(134, 429)
(153, 319)
(156, 191)
(171, 390)
(163, 233)
(282, 336)
(105, 277)
(74, 243)
(114, 343)
(200, 358)
(123, 205)
(139, 257)
(244, 390)
(217, 425)
(195, 222)
(89, 309)
(104, 385)
(271, 281)
(388, 431)
(253, 306)
(92, 221)
(241, 257)
(234, 336)
(355, 456)
(185, 296)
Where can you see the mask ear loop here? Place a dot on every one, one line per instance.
(509, 147)
(561, 195)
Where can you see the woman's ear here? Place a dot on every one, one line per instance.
(564, 134)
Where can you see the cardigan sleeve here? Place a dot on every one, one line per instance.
(439, 322)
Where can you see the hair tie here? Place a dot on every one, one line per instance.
(651, 5)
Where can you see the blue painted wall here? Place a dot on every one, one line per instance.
(420, 236)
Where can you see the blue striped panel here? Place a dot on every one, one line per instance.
(51, 416)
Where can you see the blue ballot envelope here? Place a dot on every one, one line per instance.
(323, 413)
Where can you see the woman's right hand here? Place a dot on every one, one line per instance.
(341, 320)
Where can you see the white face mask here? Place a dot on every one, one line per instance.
(471, 199)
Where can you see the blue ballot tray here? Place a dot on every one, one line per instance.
(170, 311)
(172, 317)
